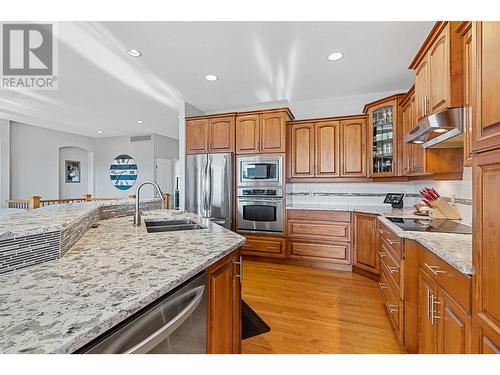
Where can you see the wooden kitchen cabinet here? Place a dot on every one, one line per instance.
(413, 155)
(353, 147)
(365, 254)
(454, 326)
(319, 236)
(266, 246)
(327, 149)
(444, 304)
(486, 258)
(465, 30)
(302, 148)
(485, 85)
(248, 134)
(197, 133)
(384, 132)
(427, 326)
(262, 132)
(438, 69)
(224, 305)
(210, 134)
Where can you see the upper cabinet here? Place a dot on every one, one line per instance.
(302, 147)
(439, 71)
(247, 134)
(465, 30)
(412, 155)
(383, 132)
(328, 148)
(210, 134)
(261, 132)
(353, 147)
(485, 85)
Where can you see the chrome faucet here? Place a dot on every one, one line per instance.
(137, 214)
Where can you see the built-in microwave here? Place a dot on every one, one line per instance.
(262, 170)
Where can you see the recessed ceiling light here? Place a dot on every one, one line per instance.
(134, 52)
(335, 56)
(100, 132)
(211, 77)
(139, 122)
(418, 142)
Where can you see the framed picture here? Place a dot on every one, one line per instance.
(72, 171)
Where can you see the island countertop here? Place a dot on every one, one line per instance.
(112, 272)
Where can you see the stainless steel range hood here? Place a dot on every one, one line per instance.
(440, 130)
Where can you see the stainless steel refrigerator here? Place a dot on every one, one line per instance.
(209, 187)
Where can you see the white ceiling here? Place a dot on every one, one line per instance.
(102, 88)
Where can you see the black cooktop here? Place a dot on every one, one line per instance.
(431, 225)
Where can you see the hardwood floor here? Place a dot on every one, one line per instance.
(316, 311)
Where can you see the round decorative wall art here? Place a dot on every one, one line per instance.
(123, 172)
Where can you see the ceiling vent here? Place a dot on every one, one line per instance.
(140, 138)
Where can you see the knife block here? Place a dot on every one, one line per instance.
(441, 209)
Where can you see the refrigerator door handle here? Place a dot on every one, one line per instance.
(210, 192)
(206, 187)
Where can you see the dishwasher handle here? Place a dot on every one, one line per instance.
(166, 330)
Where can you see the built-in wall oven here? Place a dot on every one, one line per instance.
(261, 170)
(261, 210)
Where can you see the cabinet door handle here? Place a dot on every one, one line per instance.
(392, 242)
(434, 269)
(240, 264)
(407, 163)
(428, 303)
(392, 269)
(382, 285)
(392, 308)
(434, 302)
(382, 254)
(381, 231)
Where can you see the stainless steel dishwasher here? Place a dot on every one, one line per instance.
(174, 324)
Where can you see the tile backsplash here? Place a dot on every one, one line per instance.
(374, 193)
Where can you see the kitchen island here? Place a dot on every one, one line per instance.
(112, 272)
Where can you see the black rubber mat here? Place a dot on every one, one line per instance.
(252, 324)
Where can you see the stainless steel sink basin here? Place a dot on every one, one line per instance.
(155, 225)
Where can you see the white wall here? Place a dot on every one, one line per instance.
(35, 159)
(335, 106)
(73, 189)
(110, 147)
(4, 161)
(185, 111)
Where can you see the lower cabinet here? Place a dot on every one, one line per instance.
(267, 246)
(319, 236)
(444, 325)
(224, 305)
(365, 254)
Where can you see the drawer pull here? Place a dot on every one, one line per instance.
(392, 242)
(382, 285)
(381, 231)
(392, 269)
(382, 254)
(392, 308)
(434, 269)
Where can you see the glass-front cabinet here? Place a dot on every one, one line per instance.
(383, 138)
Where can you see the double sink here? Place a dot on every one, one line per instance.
(160, 225)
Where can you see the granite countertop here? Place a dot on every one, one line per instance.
(111, 273)
(455, 249)
(51, 218)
